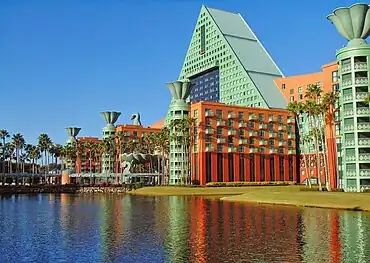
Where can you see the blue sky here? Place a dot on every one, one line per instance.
(62, 62)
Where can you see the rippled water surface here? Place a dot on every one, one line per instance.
(107, 228)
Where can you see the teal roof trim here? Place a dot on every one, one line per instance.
(252, 55)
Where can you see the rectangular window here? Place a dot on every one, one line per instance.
(219, 148)
(202, 39)
(335, 76)
(283, 86)
(219, 114)
(301, 96)
(219, 130)
(240, 116)
(291, 98)
(300, 89)
(260, 117)
(291, 91)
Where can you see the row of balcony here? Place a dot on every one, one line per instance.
(361, 157)
(359, 96)
(232, 149)
(362, 173)
(362, 126)
(232, 132)
(357, 66)
(360, 111)
(251, 117)
(361, 142)
(222, 140)
(358, 81)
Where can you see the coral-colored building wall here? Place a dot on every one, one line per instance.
(199, 157)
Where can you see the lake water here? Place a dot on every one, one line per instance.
(113, 228)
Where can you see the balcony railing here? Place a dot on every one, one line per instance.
(209, 131)
(210, 148)
(348, 112)
(281, 128)
(252, 133)
(252, 150)
(272, 134)
(221, 123)
(282, 143)
(231, 132)
(364, 142)
(364, 172)
(363, 111)
(243, 141)
(242, 125)
(221, 140)
(272, 150)
(346, 83)
(263, 126)
(361, 81)
(349, 142)
(361, 95)
(291, 120)
(360, 66)
(262, 142)
(346, 68)
(363, 126)
(252, 117)
(272, 118)
(209, 113)
(347, 97)
(231, 148)
(231, 115)
(364, 156)
(291, 151)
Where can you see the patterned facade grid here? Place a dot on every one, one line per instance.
(354, 74)
(205, 87)
(236, 88)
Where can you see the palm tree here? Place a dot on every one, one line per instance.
(55, 152)
(296, 108)
(44, 145)
(4, 134)
(312, 108)
(18, 142)
(33, 154)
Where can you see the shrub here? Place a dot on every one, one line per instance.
(239, 184)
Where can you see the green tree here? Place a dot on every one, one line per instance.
(4, 135)
(297, 108)
(44, 145)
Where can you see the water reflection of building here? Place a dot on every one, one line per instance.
(218, 229)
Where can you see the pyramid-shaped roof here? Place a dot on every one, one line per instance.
(251, 54)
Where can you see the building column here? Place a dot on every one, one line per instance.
(247, 174)
(286, 168)
(214, 167)
(257, 166)
(225, 167)
(267, 168)
(236, 167)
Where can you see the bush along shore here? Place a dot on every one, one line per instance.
(70, 189)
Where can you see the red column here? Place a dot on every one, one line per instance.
(286, 168)
(202, 168)
(267, 168)
(276, 166)
(214, 167)
(257, 167)
(247, 163)
(237, 167)
(225, 167)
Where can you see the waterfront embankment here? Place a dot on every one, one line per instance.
(35, 189)
(274, 195)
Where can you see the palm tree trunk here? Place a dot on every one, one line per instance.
(326, 168)
(317, 154)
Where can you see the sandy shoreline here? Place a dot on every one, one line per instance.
(274, 195)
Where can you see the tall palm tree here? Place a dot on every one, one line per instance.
(312, 108)
(33, 154)
(18, 142)
(44, 145)
(4, 134)
(296, 108)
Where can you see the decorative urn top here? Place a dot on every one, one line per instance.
(353, 23)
